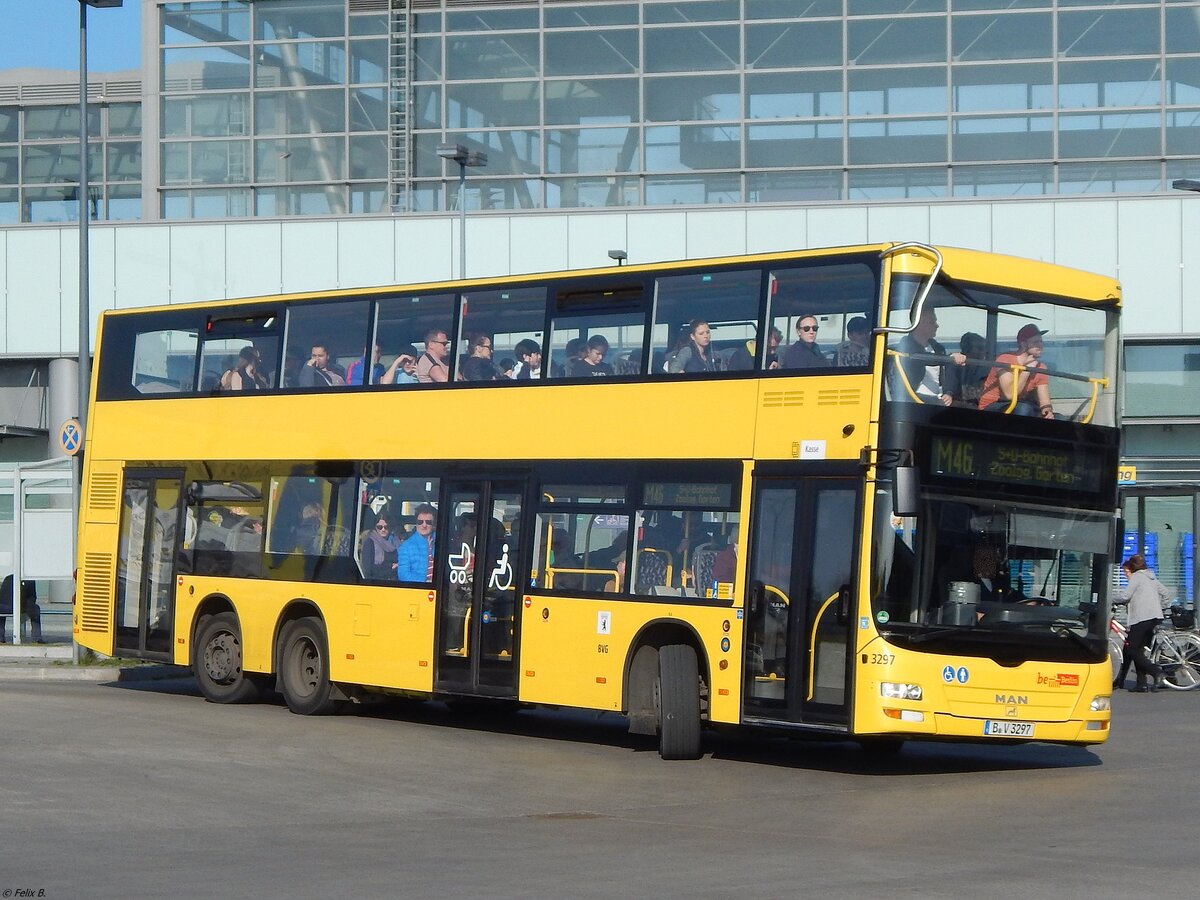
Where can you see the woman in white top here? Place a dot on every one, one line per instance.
(1146, 597)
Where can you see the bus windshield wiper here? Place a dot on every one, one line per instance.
(924, 636)
(1066, 631)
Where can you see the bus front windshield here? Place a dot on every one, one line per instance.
(1002, 351)
(1005, 580)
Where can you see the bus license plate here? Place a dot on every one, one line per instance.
(995, 728)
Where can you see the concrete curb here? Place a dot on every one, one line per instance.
(124, 674)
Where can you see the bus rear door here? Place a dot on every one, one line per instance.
(798, 626)
(145, 603)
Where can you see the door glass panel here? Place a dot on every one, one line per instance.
(459, 576)
(771, 577)
(146, 566)
(829, 593)
(129, 562)
(499, 597)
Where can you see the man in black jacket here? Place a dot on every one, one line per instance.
(932, 380)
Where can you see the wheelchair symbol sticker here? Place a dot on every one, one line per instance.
(948, 674)
(502, 576)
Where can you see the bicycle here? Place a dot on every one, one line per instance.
(1174, 648)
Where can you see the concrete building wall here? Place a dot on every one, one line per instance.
(1146, 242)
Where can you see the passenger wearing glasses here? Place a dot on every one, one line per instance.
(431, 367)
(805, 354)
(478, 365)
(379, 548)
(245, 375)
(415, 557)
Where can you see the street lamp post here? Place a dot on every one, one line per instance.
(465, 158)
(85, 316)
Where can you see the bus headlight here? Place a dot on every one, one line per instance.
(894, 690)
(1101, 704)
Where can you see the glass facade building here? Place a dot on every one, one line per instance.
(289, 107)
(39, 151)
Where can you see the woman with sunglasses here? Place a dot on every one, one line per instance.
(245, 375)
(805, 354)
(379, 552)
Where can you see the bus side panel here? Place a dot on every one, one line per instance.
(95, 590)
(378, 636)
(574, 652)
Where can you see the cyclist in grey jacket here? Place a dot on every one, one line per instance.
(1146, 597)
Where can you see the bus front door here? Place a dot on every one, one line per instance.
(145, 596)
(477, 588)
(798, 611)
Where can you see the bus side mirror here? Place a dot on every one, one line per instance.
(906, 491)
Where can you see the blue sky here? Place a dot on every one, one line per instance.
(45, 34)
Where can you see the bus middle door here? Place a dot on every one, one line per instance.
(477, 587)
(798, 627)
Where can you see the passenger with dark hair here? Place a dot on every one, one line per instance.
(244, 376)
(29, 609)
(319, 372)
(1147, 597)
(478, 365)
(805, 354)
(403, 369)
(856, 349)
(431, 367)
(379, 546)
(529, 360)
(974, 372)
(592, 361)
(697, 354)
(414, 559)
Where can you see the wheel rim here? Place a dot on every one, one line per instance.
(223, 658)
(306, 666)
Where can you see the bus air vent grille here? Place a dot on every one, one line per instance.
(774, 399)
(103, 491)
(839, 397)
(96, 591)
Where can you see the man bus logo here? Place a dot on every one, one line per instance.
(1012, 699)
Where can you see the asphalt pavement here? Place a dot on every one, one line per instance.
(143, 789)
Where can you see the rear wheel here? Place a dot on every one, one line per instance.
(218, 661)
(677, 702)
(304, 668)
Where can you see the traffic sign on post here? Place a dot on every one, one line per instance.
(70, 437)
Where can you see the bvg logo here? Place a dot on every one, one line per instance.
(1059, 680)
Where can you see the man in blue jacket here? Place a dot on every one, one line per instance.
(414, 560)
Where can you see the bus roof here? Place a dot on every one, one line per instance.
(960, 264)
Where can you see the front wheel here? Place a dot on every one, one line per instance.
(1180, 660)
(218, 661)
(677, 702)
(304, 668)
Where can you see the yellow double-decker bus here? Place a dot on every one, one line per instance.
(862, 493)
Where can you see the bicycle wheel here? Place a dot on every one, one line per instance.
(1179, 655)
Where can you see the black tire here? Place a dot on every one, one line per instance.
(677, 702)
(304, 668)
(218, 661)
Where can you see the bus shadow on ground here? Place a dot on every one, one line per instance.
(609, 729)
